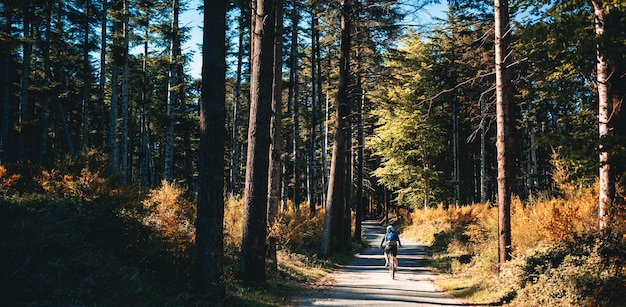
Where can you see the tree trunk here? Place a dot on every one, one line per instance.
(455, 147)
(235, 148)
(346, 229)
(59, 106)
(6, 81)
(312, 163)
(607, 184)
(275, 166)
(144, 178)
(112, 135)
(295, 103)
(360, 166)
(124, 142)
(252, 259)
(172, 95)
(332, 238)
(24, 81)
(84, 125)
(210, 208)
(43, 136)
(483, 147)
(99, 136)
(505, 125)
(318, 112)
(426, 186)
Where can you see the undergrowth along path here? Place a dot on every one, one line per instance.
(366, 281)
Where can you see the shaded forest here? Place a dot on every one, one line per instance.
(309, 115)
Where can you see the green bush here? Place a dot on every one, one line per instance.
(585, 271)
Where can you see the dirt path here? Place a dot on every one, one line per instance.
(366, 282)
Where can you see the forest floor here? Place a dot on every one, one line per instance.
(366, 281)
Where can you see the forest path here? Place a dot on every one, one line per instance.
(366, 281)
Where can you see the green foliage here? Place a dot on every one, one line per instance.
(407, 137)
(585, 271)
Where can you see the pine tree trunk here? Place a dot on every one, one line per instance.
(124, 142)
(84, 126)
(172, 96)
(212, 132)
(332, 236)
(275, 166)
(112, 143)
(346, 229)
(504, 121)
(59, 106)
(483, 161)
(144, 158)
(311, 163)
(295, 103)
(235, 148)
(607, 185)
(99, 136)
(360, 165)
(24, 81)
(6, 81)
(252, 259)
(43, 135)
(455, 148)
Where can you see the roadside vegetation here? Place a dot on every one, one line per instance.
(559, 256)
(71, 236)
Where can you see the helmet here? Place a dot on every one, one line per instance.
(390, 228)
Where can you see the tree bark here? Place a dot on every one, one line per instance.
(43, 134)
(312, 164)
(124, 141)
(172, 94)
(332, 236)
(235, 148)
(6, 81)
(483, 147)
(252, 259)
(24, 80)
(505, 125)
(84, 126)
(607, 184)
(295, 101)
(275, 166)
(360, 166)
(112, 144)
(144, 147)
(99, 137)
(210, 208)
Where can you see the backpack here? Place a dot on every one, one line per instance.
(392, 238)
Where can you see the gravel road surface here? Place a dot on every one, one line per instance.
(366, 282)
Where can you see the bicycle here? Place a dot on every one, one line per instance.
(392, 265)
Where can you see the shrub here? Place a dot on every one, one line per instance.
(298, 231)
(233, 225)
(7, 181)
(587, 270)
(171, 213)
(82, 178)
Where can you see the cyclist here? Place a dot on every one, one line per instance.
(391, 241)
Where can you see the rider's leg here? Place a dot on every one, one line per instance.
(386, 253)
(395, 261)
